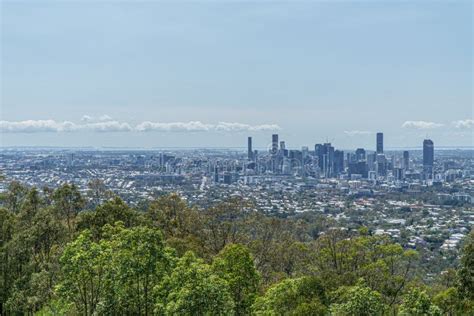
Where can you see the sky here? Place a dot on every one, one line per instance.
(210, 73)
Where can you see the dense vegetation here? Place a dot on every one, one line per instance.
(64, 253)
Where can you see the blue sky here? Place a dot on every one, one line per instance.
(152, 73)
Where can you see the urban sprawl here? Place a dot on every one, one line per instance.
(421, 198)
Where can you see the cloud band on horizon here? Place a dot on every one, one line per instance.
(104, 126)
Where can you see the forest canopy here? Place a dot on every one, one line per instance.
(67, 253)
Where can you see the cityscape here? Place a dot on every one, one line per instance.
(391, 192)
(236, 158)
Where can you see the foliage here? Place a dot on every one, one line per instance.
(385, 266)
(466, 272)
(110, 212)
(68, 202)
(115, 275)
(448, 301)
(192, 289)
(85, 265)
(235, 265)
(417, 303)
(62, 253)
(301, 296)
(358, 300)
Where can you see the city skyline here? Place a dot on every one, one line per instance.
(207, 74)
(236, 157)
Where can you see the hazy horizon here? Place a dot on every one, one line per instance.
(209, 74)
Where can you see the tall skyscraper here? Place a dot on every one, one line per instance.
(274, 149)
(318, 152)
(275, 161)
(406, 160)
(381, 165)
(428, 157)
(338, 162)
(371, 161)
(216, 174)
(249, 148)
(325, 153)
(379, 143)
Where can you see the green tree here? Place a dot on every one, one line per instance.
(301, 296)
(235, 265)
(31, 203)
(13, 198)
(139, 262)
(449, 301)
(115, 210)
(7, 226)
(68, 201)
(98, 192)
(358, 300)
(32, 259)
(179, 223)
(466, 271)
(342, 259)
(85, 267)
(417, 303)
(223, 224)
(193, 289)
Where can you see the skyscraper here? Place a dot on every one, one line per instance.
(275, 161)
(338, 162)
(360, 154)
(216, 174)
(428, 158)
(249, 148)
(318, 152)
(406, 160)
(381, 165)
(379, 143)
(274, 149)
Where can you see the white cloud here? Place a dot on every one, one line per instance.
(421, 125)
(87, 118)
(464, 124)
(239, 127)
(192, 126)
(102, 118)
(36, 126)
(197, 126)
(106, 124)
(357, 133)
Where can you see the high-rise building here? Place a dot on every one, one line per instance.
(381, 165)
(428, 158)
(328, 160)
(379, 143)
(371, 161)
(305, 151)
(318, 152)
(282, 145)
(249, 148)
(360, 154)
(216, 174)
(399, 173)
(406, 160)
(274, 149)
(338, 162)
(358, 168)
(325, 154)
(275, 159)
